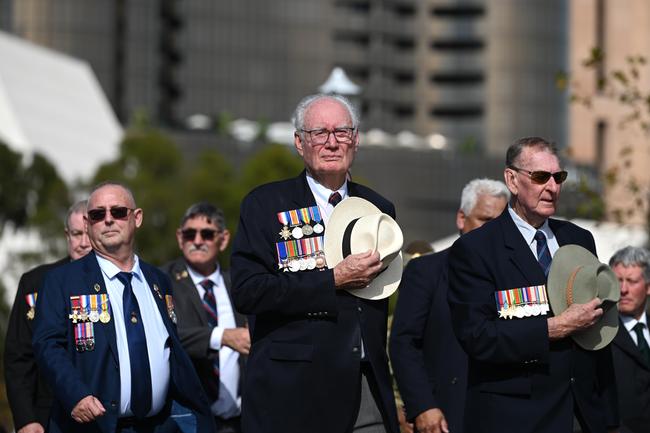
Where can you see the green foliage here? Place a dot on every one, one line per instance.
(271, 163)
(13, 191)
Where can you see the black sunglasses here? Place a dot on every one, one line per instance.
(541, 177)
(206, 234)
(117, 212)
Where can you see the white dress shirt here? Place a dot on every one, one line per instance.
(229, 403)
(630, 322)
(528, 232)
(154, 330)
(322, 195)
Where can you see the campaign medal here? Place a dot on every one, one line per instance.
(94, 309)
(320, 261)
(74, 306)
(305, 218)
(157, 290)
(314, 212)
(285, 233)
(170, 308)
(104, 317)
(294, 265)
(307, 230)
(89, 336)
(283, 217)
(83, 312)
(522, 302)
(79, 343)
(311, 263)
(31, 302)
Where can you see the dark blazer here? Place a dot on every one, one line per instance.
(74, 375)
(193, 328)
(303, 371)
(429, 365)
(519, 381)
(633, 382)
(28, 393)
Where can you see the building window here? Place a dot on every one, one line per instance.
(360, 6)
(458, 44)
(601, 142)
(357, 38)
(458, 11)
(458, 111)
(457, 78)
(601, 37)
(403, 111)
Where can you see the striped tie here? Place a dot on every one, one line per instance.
(543, 253)
(210, 307)
(335, 198)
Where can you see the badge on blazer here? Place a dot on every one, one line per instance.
(31, 303)
(300, 254)
(169, 301)
(522, 302)
(298, 223)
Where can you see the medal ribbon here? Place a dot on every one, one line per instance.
(104, 301)
(315, 214)
(93, 303)
(31, 299)
(293, 215)
(283, 218)
(304, 215)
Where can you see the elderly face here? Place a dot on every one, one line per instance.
(487, 208)
(114, 231)
(77, 236)
(634, 290)
(201, 241)
(331, 157)
(534, 202)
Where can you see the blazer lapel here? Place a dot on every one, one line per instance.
(158, 293)
(302, 196)
(519, 252)
(240, 319)
(93, 278)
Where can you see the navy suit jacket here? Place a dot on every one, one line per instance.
(74, 375)
(633, 383)
(429, 365)
(518, 380)
(303, 372)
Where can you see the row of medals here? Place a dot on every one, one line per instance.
(298, 232)
(521, 311)
(84, 344)
(94, 316)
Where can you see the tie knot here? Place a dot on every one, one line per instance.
(207, 284)
(539, 236)
(125, 277)
(638, 328)
(335, 198)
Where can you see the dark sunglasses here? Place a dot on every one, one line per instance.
(541, 177)
(117, 212)
(206, 234)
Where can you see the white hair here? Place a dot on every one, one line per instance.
(476, 187)
(298, 118)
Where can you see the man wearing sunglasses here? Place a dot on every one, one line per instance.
(29, 395)
(318, 358)
(105, 335)
(526, 375)
(213, 333)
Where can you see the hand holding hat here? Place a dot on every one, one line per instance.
(366, 244)
(583, 294)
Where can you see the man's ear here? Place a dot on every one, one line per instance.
(460, 220)
(297, 142)
(225, 239)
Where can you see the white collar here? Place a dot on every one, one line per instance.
(110, 269)
(527, 230)
(215, 277)
(322, 193)
(630, 322)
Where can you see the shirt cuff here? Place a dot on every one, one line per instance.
(215, 338)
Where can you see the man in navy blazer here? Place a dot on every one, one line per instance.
(631, 346)
(318, 358)
(429, 365)
(525, 373)
(112, 373)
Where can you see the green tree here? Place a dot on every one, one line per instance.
(13, 191)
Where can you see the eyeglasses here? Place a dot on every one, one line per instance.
(206, 234)
(117, 212)
(541, 177)
(321, 136)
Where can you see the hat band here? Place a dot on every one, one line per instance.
(569, 287)
(347, 236)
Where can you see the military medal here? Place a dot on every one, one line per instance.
(316, 217)
(94, 309)
(307, 230)
(83, 312)
(79, 342)
(169, 301)
(89, 336)
(31, 302)
(311, 263)
(74, 306)
(522, 302)
(320, 261)
(157, 290)
(294, 265)
(104, 317)
(296, 232)
(285, 233)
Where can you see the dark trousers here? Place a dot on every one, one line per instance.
(230, 425)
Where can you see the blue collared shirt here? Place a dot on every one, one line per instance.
(528, 232)
(154, 330)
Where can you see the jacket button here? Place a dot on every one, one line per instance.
(113, 403)
(572, 380)
(454, 381)
(355, 349)
(359, 309)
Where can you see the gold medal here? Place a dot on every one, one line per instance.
(31, 313)
(104, 317)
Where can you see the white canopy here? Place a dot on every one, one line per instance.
(339, 83)
(53, 104)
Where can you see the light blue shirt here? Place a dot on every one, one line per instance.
(322, 196)
(229, 403)
(154, 330)
(528, 232)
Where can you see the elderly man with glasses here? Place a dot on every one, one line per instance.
(318, 357)
(105, 333)
(212, 332)
(525, 372)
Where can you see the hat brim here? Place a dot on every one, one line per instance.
(387, 282)
(565, 261)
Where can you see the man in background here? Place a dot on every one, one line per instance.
(429, 365)
(30, 398)
(211, 331)
(630, 347)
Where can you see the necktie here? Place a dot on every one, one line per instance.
(335, 198)
(138, 357)
(210, 307)
(642, 343)
(543, 253)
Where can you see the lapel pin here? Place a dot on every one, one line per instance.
(97, 287)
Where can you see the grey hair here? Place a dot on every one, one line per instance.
(78, 207)
(298, 118)
(515, 149)
(209, 211)
(476, 187)
(128, 191)
(633, 256)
